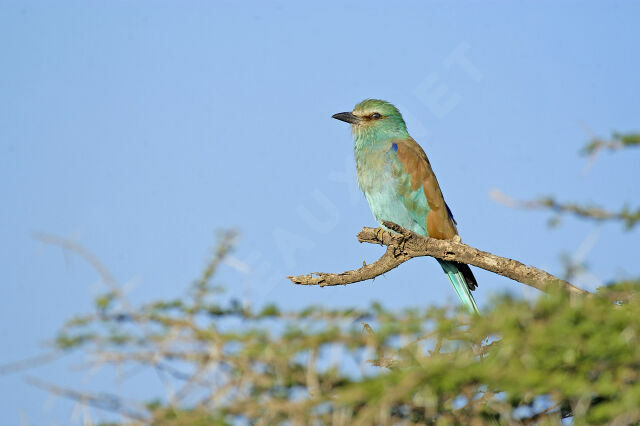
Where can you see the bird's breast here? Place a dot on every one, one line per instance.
(373, 169)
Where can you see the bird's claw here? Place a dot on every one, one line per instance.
(379, 234)
(401, 244)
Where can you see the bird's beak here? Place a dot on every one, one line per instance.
(346, 117)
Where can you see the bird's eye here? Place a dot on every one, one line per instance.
(375, 116)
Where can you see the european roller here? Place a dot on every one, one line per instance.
(396, 177)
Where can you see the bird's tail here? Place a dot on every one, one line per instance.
(463, 282)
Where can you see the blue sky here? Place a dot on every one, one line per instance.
(138, 129)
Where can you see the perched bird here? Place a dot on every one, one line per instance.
(396, 177)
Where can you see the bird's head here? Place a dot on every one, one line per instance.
(374, 117)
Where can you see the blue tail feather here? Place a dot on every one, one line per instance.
(460, 285)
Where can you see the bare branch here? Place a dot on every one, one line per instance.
(102, 401)
(615, 142)
(626, 215)
(92, 260)
(404, 245)
(29, 363)
(391, 259)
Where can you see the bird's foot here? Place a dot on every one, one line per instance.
(401, 244)
(456, 239)
(380, 233)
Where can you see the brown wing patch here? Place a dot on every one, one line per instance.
(416, 163)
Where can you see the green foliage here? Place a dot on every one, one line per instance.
(617, 141)
(169, 416)
(520, 362)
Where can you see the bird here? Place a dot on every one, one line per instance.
(398, 182)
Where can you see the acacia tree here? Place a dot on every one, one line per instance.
(567, 354)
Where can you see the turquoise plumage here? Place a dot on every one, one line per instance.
(396, 177)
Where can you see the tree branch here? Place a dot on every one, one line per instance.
(626, 215)
(404, 245)
(102, 401)
(615, 142)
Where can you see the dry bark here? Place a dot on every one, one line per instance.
(403, 245)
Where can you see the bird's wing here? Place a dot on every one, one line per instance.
(417, 186)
